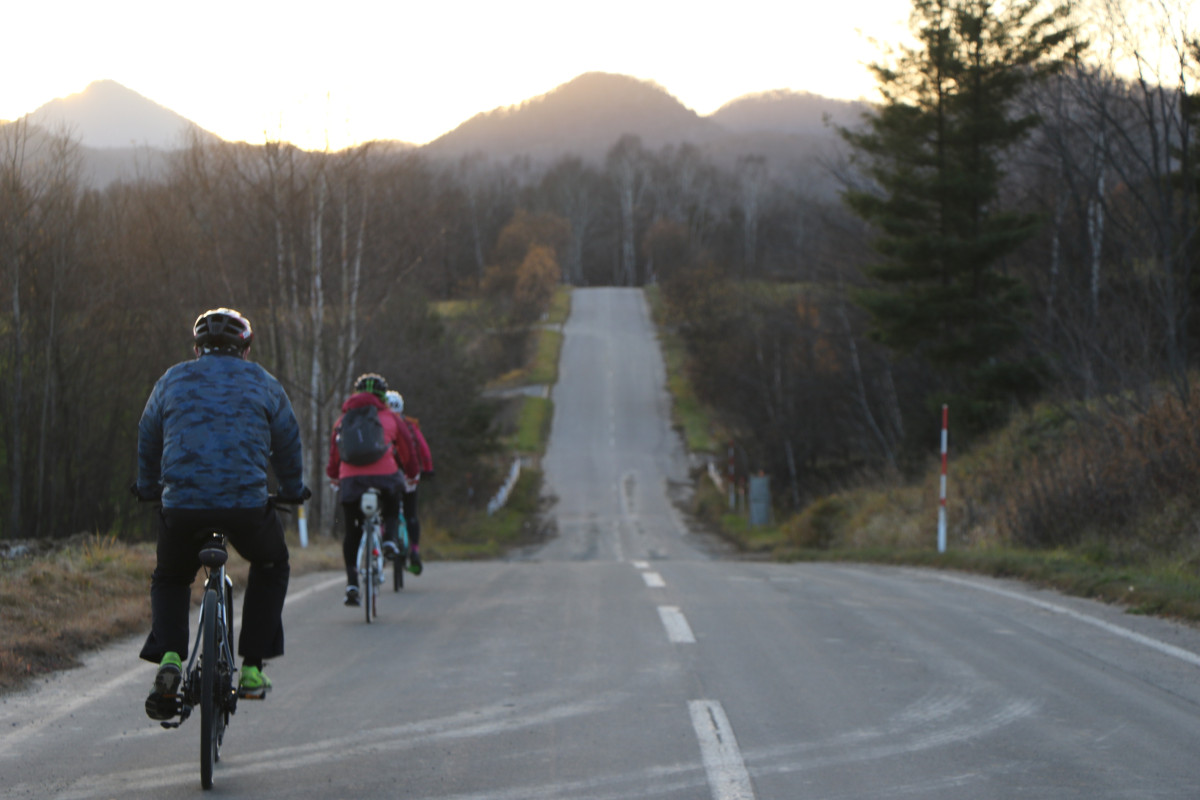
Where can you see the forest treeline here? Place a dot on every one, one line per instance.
(1017, 222)
(1018, 225)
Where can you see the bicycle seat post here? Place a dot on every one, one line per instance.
(369, 503)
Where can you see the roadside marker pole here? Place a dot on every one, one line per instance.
(732, 475)
(942, 495)
(302, 524)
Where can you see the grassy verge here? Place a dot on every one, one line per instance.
(533, 426)
(690, 416)
(541, 369)
(853, 527)
(560, 306)
(544, 368)
(483, 536)
(453, 309)
(897, 524)
(89, 592)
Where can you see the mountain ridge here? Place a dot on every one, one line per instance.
(592, 110)
(583, 117)
(108, 115)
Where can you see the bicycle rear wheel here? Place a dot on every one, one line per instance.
(368, 576)
(401, 558)
(209, 725)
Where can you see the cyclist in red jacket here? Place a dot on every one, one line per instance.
(409, 498)
(385, 473)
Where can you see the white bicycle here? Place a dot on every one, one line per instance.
(370, 552)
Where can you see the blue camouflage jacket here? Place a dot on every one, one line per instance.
(209, 430)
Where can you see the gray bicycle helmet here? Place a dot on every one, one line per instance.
(222, 329)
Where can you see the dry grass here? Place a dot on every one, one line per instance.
(55, 607)
(63, 601)
(1083, 479)
(58, 606)
(1098, 502)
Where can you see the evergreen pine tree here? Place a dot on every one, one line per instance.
(933, 150)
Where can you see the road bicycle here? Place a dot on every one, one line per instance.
(210, 677)
(370, 552)
(401, 559)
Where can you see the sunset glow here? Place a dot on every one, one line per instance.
(370, 69)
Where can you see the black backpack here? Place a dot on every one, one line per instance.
(361, 439)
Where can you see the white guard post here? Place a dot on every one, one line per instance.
(942, 494)
(302, 524)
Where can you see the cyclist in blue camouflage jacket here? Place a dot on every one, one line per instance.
(206, 437)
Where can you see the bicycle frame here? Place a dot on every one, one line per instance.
(211, 685)
(370, 552)
(210, 676)
(189, 691)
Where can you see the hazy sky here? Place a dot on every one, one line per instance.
(357, 70)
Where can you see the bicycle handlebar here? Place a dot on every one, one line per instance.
(292, 501)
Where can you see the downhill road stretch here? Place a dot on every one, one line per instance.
(626, 658)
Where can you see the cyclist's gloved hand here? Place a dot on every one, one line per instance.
(305, 493)
(155, 494)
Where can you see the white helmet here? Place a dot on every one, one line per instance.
(395, 401)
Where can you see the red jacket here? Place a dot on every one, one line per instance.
(420, 448)
(424, 457)
(403, 453)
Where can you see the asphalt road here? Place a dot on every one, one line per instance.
(628, 658)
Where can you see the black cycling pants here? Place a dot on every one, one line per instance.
(256, 534)
(410, 518)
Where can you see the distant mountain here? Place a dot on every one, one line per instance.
(108, 115)
(785, 111)
(98, 167)
(796, 132)
(585, 117)
(588, 115)
(126, 135)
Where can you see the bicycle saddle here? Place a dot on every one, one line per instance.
(213, 554)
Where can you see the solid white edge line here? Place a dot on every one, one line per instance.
(727, 775)
(678, 629)
(653, 580)
(1116, 630)
(319, 587)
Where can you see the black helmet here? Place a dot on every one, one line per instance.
(222, 329)
(371, 382)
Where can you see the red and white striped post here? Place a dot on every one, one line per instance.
(942, 494)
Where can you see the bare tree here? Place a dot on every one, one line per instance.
(626, 163)
(752, 179)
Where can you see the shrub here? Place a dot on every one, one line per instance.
(820, 525)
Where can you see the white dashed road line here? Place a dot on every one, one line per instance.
(676, 623)
(727, 775)
(653, 580)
